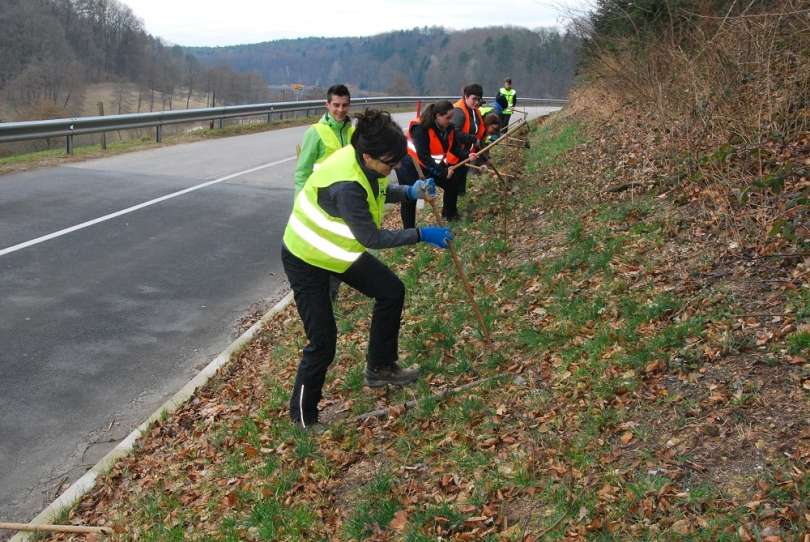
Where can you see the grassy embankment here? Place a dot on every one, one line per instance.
(647, 383)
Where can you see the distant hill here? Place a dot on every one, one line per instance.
(54, 53)
(422, 60)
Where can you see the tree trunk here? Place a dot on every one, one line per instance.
(190, 87)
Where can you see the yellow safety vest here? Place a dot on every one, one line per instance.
(319, 238)
(510, 99)
(330, 141)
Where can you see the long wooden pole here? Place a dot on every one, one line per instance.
(28, 527)
(456, 260)
(501, 139)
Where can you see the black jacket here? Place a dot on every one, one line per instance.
(347, 200)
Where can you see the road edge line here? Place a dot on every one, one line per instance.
(87, 481)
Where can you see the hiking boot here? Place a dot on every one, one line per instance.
(393, 375)
(313, 428)
(306, 421)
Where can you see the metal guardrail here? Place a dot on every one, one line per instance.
(70, 127)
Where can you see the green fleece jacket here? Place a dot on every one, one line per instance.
(312, 148)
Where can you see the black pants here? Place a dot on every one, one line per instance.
(407, 175)
(505, 121)
(310, 286)
(451, 188)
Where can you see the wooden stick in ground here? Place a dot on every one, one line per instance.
(28, 527)
(383, 412)
(501, 139)
(479, 168)
(516, 146)
(504, 190)
(500, 177)
(459, 267)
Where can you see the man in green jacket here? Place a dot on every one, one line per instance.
(332, 132)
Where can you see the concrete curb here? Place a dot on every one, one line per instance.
(84, 484)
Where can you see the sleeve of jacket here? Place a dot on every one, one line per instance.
(353, 209)
(396, 193)
(463, 138)
(457, 149)
(421, 140)
(310, 152)
(458, 120)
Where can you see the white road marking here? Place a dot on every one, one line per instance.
(134, 208)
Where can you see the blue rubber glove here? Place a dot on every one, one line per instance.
(435, 235)
(418, 189)
(430, 187)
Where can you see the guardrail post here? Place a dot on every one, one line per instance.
(220, 123)
(269, 118)
(69, 144)
(158, 133)
(103, 134)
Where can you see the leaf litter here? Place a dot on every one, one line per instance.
(657, 380)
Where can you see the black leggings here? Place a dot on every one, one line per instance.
(407, 175)
(310, 287)
(452, 188)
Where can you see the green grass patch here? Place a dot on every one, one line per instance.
(375, 509)
(549, 143)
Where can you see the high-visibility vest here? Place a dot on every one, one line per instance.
(319, 238)
(474, 120)
(485, 110)
(438, 152)
(330, 141)
(510, 99)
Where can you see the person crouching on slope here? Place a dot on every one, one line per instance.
(432, 143)
(335, 218)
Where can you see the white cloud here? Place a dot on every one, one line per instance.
(209, 22)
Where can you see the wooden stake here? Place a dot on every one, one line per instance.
(500, 177)
(518, 146)
(383, 412)
(28, 527)
(459, 267)
(479, 168)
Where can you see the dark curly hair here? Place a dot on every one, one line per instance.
(378, 135)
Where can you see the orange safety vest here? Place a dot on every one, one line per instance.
(438, 152)
(479, 134)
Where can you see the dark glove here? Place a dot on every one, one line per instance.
(435, 235)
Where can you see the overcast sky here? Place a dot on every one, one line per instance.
(218, 22)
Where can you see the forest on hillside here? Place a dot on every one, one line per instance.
(56, 54)
(429, 60)
(52, 50)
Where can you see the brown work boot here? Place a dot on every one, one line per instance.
(393, 375)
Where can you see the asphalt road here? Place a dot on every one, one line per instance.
(120, 278)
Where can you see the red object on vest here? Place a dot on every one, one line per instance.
(479, 134)
(437, 151)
